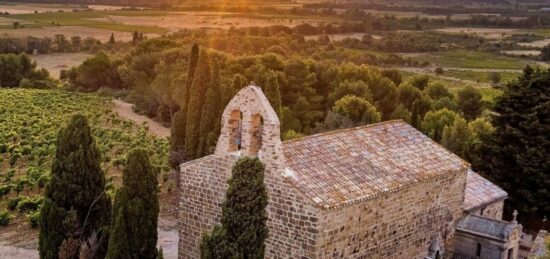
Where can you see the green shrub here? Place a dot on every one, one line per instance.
(4, 218)
(12, 203)
(34, 218)
(29, 204)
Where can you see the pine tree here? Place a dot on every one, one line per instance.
(243, 229)
(197, 94)
(211, 113)
(78, 185)
(516, 155)
(136, 208)
(401, 113)
(470, 103)
(456, 137)
(112, 39)
(419, 108)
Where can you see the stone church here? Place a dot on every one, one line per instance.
(377, 191)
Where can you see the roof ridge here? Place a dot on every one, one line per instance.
(491, 219)
(326, 133)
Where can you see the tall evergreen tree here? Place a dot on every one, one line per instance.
(75, 203)
(243, 231)
(177, 140)
(197, 93)
(517, 155)
(136, 209)
(211, 113)
(135, 38)
(273, 94)
(112, 39)
(179, 122)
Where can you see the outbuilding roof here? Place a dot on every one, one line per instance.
(481, 192)
(348, 165)
(486, 226)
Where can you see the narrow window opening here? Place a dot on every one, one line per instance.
(235, 130)
(256, 131)
(478, 251)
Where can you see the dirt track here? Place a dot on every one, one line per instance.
(124, 110)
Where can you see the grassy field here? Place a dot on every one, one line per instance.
(89, 19)
(28, 131)
(474, 59)
(479, 76)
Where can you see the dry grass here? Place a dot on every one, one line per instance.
(56, 62)
(536, 44)
(195, 20)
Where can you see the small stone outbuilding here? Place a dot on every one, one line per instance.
(377, 191)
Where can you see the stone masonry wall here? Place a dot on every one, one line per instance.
(395, 225)
(493, 210)
(292, 219)
(293, 223)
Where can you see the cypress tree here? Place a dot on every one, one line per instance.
(197, 93)
(177, 140)
(273, 94)
(136, 208)
(179, 122)
(516, 155)
(211, 113)
(191, 70)
(77, 185)
(243, 229)
(112, 39)
(135, 38)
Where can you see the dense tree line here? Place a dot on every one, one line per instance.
(20, 71)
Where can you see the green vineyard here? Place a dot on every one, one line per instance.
(29, 122)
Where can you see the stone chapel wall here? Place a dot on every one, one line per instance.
(493, 210)
(250, 128)
(402, 224)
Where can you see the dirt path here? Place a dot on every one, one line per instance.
(124, 110)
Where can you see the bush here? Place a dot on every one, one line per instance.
(34, 218)
(29, 204)
(12, 203)
(4, 218)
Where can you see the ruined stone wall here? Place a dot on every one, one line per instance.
(293, 222)
(395, 225)
(493, 210)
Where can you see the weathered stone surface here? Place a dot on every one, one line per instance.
(379, 191)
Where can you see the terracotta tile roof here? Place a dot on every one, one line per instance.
(480, 192)
(344, 166)
(486, 226)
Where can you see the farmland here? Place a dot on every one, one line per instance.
(28, 130)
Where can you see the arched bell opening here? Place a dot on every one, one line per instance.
(256, 134)
(235, 125)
